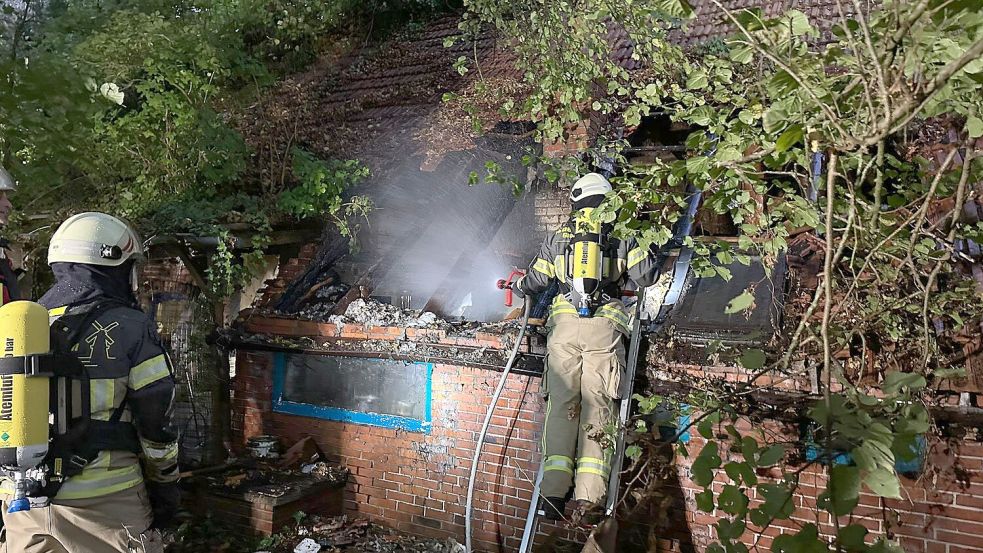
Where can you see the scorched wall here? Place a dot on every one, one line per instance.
(415, 482)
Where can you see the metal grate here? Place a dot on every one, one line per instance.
(175, 315)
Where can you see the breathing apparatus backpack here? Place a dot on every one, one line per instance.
(41, 377)
(587, 254)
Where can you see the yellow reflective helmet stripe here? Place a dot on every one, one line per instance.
(148, 372)
(544, 267)
(636, 256)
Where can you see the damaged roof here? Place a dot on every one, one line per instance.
(710, 22)
(365, 104)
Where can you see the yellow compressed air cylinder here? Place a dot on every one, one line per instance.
(23, 398)
(586, 258)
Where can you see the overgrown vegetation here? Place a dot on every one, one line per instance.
(129, 107)
(796, 128)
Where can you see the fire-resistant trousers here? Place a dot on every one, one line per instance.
(585, 361)
(115, 523)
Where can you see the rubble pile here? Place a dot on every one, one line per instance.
(374, 313)
(324, 301)
(343, 535)
(272, 482)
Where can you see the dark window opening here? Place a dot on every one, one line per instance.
(376, 392)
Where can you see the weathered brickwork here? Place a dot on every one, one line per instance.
(942, 510)
(552, 208)
(411, 481)
(288, 272)
(418, 482)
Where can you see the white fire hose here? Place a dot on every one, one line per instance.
(484, 428)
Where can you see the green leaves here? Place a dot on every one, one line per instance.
(771, 455)
(705, 463)
(743, 471)
(704, 501)
(789, 138)
(647, 404)
(843, 490)
(752, 359)
(733, 501)
(974, 125)
(883, 482)
(895, 381)
(697, 80)
(674, 8)
(806, 541)
(740, 303)
(778, 504)
(851, 538)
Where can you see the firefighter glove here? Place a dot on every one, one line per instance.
(517, 288)
(165, 501)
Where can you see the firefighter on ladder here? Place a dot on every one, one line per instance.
(8, 278)
(585, 349)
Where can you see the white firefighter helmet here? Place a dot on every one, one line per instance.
(589, 185)
(95, 239)
(7, 182)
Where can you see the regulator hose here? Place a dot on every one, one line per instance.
(484, 428)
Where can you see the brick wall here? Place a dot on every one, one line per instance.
(416, 482)
(552, 207)
(287, 273)
(942, 510)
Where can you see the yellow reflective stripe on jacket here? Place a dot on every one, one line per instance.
(561, 305)
(560, 267)
(636, 256)
(57, 311)
(95, 482)
(148, 372)
(102, 397)
(611, 311)
(614, 313)
(544, 267)
(558, 462)
(161, 460)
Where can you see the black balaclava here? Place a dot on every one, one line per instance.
(79, 283)
(590, 201)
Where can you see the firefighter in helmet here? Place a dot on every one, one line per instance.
(8, 278)
(119, 481)
(585, 350)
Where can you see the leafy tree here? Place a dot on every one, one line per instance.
(794, 127)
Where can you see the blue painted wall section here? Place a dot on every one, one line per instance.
(344, 415)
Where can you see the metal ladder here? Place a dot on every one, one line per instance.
(614, 482)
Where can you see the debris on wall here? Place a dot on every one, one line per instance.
(374, 313)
